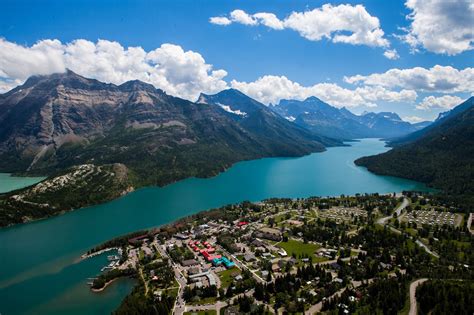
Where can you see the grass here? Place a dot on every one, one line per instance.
(206, 312)
(412, 231)
(319, 259)
(208, 300)
(226, 276)
(298, 248)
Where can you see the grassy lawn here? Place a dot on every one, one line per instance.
(207, 312)
(319, 259)
(226, 276)
(298, 248)
(411, 231)
(208, 300)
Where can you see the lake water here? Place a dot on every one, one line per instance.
(8, 182)
(39, 268)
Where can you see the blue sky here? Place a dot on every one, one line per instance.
(249, 52)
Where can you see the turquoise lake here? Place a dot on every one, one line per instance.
(9, 183)
(40, 272)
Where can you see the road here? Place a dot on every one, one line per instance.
(240, 265)
(398, 210)
(218, 305)
(413, 286)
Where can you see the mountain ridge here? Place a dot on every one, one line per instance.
(56, 121)
(318, 116)
(441, 155)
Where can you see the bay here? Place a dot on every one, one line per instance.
(9, 182)
(40, 272)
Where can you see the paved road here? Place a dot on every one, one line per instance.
(384, 221)
(413, 286)
(399, 209)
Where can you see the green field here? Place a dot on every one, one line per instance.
(226, 276)
(298, 248)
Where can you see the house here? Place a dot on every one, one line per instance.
(242, 224)
(276, 268)
(249, 257)
(182, 236)
(258, 243)
(193, 271)
(189, 262)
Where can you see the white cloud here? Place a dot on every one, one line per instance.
(169, 67)
(240, 16)
(441, 26)
(413, 119)
(340, 24)
(271, 89)
(220, 20)
(443, 102)
(391, 54)
(441, 79)
(269, 20)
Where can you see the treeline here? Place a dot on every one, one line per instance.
(439, 297)
(121, 241)
(101, 280)
(137, 303)
(384, 296)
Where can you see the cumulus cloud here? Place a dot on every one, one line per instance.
(169, 67)
(440, 26)
(271, 89)
(445, 102)
(269, 20)
(220, 20)
(391, 54)
(240, 16)
(340, 24)
(441, 79)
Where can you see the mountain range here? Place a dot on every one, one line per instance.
(130, 135)
(441, 155)
(57, 121)
(318, 116)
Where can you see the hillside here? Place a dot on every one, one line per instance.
(442, 156)
(74, 188)
(320, 117)
(53, 122)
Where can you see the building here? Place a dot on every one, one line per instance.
(269, 234)
(189, 262)
(182, 236)
(223, 260)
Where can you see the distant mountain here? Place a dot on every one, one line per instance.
(261, 120)
(441, 155)
(320, 117)
(398, 141)
(53, 122)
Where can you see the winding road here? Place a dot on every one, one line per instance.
(398, 210)
(413, 286)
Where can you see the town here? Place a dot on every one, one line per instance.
(302, 256)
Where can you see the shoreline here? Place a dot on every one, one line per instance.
(108, 249)
(174, 181)
(105, 285)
